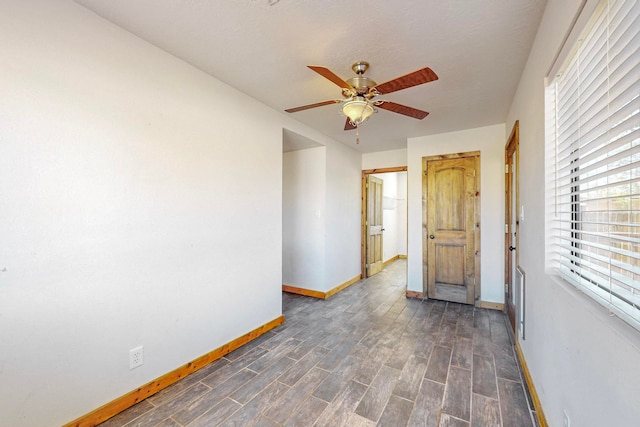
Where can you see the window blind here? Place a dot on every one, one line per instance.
(593, 161)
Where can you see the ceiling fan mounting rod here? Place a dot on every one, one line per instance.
(360, 67)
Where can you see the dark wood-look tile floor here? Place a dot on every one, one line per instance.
(367, 356)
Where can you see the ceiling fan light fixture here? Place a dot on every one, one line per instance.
(358, 110)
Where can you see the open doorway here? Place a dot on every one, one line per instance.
(384, 218)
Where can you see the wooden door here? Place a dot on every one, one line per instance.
(511, 225)
(374, 225)
(451, 229)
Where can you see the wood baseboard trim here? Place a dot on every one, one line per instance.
(128, 400)
(402, 256)
(532, 389)
(390, 260)
(414, 294)
(318, 294)
(491, 305)
(303, 291)
(343, 286)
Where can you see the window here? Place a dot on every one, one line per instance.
(593, 162)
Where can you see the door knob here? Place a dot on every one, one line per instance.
(512, 248)
(431, 236)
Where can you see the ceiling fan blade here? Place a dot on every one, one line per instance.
(328, 74)
(348, 125)
(317, 104)
(403, 109)
(419, 77)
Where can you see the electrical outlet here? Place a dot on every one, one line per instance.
(136, 357)
(567, 420)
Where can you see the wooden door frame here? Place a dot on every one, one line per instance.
(363, 229)
(425, 160)
(511, 149)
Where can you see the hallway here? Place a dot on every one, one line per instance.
(367, 356)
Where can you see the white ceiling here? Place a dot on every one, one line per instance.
(478, 49)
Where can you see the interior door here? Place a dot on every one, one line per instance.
(374, 225)
(511, 225)
(450, 230)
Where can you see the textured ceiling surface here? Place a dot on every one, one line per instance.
(478, 49)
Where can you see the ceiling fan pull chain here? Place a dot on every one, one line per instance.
(357, 135)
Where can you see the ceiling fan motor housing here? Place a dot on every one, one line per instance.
(362, 84)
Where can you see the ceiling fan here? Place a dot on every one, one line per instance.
(360, 94)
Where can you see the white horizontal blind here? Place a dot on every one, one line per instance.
(593, 162)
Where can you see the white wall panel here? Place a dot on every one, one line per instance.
(303, 218)
(140, 205)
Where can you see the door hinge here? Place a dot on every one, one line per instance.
(506, 168)
(506, 288)
(506, 228)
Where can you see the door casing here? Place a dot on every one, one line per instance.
(476, 230)
(511, 180)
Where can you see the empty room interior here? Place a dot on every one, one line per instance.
(335, 198)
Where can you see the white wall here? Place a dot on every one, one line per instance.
(581, 359)
(343, 215)
(321, 217)
(401, 213)
(384, 159)
(303, 218)
(141, 204)
(490, 142)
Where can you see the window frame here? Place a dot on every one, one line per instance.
(627, 308)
